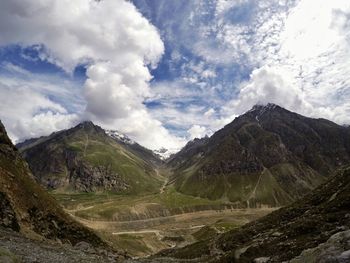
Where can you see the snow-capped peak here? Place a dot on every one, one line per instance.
(119, 136)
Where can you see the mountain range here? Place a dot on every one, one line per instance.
(268, 156)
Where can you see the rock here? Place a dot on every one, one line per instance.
(86, 247)
(261, 260)
(277, 234)
(336, 249)
(55, 224)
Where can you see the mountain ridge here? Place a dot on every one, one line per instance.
(268, 155)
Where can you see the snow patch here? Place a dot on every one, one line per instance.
(119, 136)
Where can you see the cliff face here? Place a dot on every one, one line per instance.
(268, 155)
(26, 207)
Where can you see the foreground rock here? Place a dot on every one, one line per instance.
(336, 249)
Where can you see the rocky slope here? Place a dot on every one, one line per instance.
(26, 208)
(87, 159)
(313, 229)
(15, 248)
(267, 156)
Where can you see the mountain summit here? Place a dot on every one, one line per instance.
(267, 156)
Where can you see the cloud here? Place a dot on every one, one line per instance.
(27, 112)
(141, 125)
(222, 57)
(113, 39)
(78, 31)
(197, 131)
(268, 85)
(300, 60)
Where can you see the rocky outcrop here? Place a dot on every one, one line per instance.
(66, 169)
(7, 214)
(87, 178)
(335, 249)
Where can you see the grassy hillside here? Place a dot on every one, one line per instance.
(268, 156)
(112, 207)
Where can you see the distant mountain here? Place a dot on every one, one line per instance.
(314, 229)
(86, 158)
(26, 207)
(268, 156)
(191, 151)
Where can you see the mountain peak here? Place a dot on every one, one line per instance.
(85, 124)
(88, 126)
(260, 109)
(264, 107)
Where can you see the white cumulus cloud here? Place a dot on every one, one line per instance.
(113, 39)
(197, 131)
(301, 59)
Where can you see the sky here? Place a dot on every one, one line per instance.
(165, 72)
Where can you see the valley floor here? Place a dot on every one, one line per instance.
(144, 225)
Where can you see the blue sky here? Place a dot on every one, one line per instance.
(165, 72)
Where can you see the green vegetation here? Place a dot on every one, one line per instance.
(252, 190)
(225, 225)
(205, 233)
(132, 244)
(99, 150)
(110, 206)
(265, 157)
